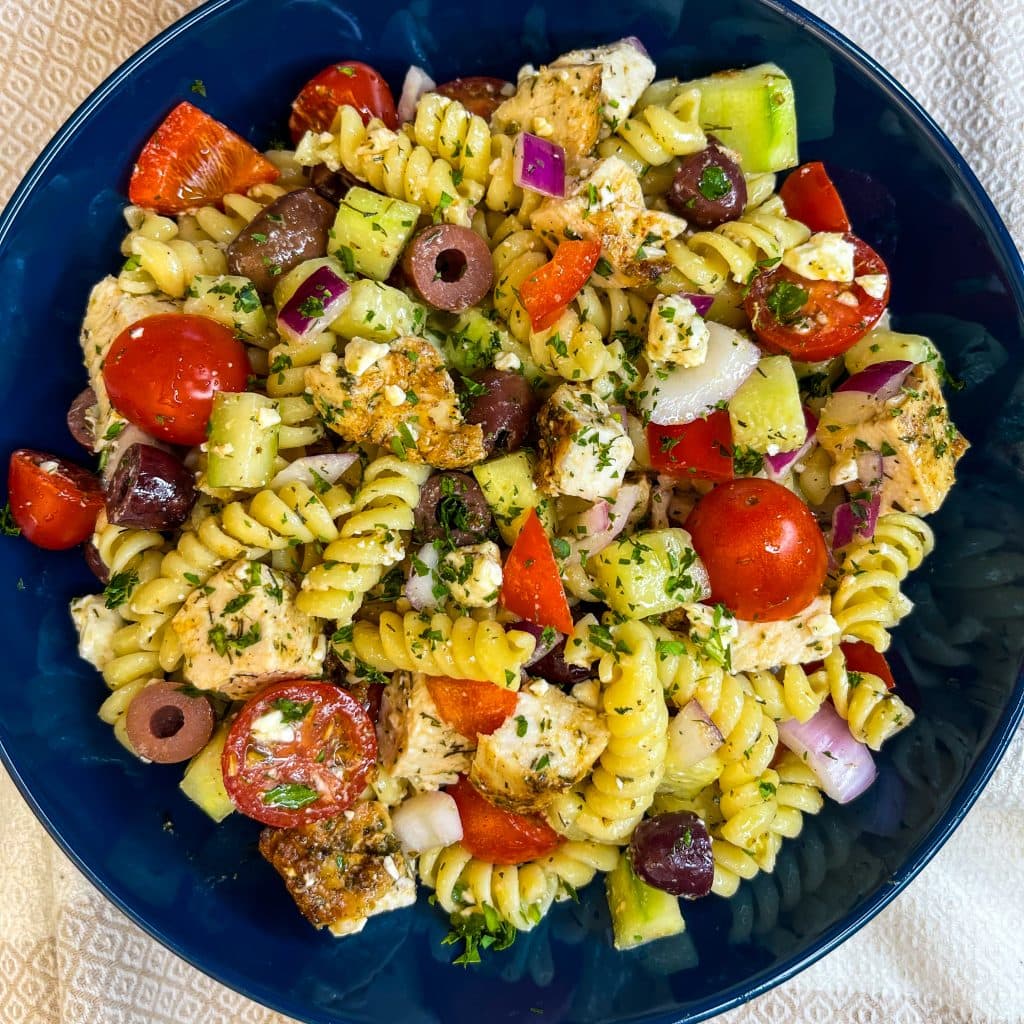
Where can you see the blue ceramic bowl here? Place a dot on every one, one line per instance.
(202, 889)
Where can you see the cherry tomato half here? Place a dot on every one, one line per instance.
(297, 752)
(501, 837)
(347, 84)
(479, 94)
(812, 199)
(763, 549)
(701, 449)
(861, 657)
(54, 501)
(815, 320)
(471, 707)
(162, 372)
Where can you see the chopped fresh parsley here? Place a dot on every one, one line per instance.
(785, 301)
(292, 710)
(8, 527)
(119, 589)
(714, 183)
(292, 795)
(480, 930)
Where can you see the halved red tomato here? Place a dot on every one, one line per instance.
(54, 501)
(479, 94)
(192, 160)
(297, 752)
(812, 199)
(816, 320)
(349, 83)
(498, 836)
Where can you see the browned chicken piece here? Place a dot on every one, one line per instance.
(342, 871)
(562, 104)
(919, 443)
(401, 397)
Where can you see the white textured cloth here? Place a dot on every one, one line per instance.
(949, 950)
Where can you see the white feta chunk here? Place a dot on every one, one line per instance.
(873, 284)
(676, 333)
(272, 728)
(507, 361)
(394, 395)
(361, 354)
(96, 625)
(825, 256)
(473, 574)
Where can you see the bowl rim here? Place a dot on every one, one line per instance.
(970, 788)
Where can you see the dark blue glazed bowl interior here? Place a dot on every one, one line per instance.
(203, 889)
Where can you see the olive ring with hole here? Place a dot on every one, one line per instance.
(449, 266)
(167, 725)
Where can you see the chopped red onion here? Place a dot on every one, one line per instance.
(881, 381)
(426, 821)
(330, 467)
(416, 83)
(777, 466)
(844, 767)
(869, 470)
(129, 435)
(692, 736)
(315, 304)
(539, 165)
(858, 517)
(636, 44)
(702, 303)
(547, 639)
(602, 523)
(419, 585)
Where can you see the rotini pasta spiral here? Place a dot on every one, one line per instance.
(503, 194)
(867, 601)
(158, 260)
(789, 692)
(521, 894)
(122, 549)
(661, 132)
(391, 163)
(463, 648)
(873, 712)
(608, 806)
(301, 424)
(448, 130)
(617, 313)
(223, 226)
(370, 539)
(292, 514)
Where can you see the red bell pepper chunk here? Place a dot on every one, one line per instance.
(702, 448)
(812, 199)
(532, 586)
(471, 707)
(549, 289)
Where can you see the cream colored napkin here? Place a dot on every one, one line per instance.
(949, 950)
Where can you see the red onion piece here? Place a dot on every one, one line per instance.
(119, 446)
(702, 303)
(692, 736)
(881, 381)
(777, 466)
(602, 523)
(316, 302)
(636, 44)
(330, 467)
(855, 518)
(547, 639)
(539, 165)
(416, 83)
(869, 470)
(844, 767)
(661, 498)
(419, 585)
(427, 820)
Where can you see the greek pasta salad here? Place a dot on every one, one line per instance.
(500, 489)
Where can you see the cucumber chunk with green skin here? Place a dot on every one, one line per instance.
(765, 413)
(231, 301)
(203, 782)
(243, 436)
(289, 284)
(752, 111)
(508, 487)
(477, 337)
(370, 232)
(640, 913)
(379, 312)
(888, 346)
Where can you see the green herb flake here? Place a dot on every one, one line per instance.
(291, 795)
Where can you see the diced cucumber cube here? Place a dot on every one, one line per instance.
(203, 782)
(888, 346)
(379, 312)
(289, 284)
(243, 437)
(231, 301)
(507, 483)
(765, 413)
(371, 231)
(476, 337)
(752, 111)
(640, 913)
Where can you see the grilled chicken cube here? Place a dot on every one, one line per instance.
(413, 742)
(584, 450)
(562, 104)
(342, 871)
(399, 396)
(625, 73)
(919, 443)
(608, 205)
(242, 631)
(548, 744)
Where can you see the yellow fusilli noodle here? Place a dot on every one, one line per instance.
(448, 130)
(370, 540)
(608, 805)
(391, 163)
(789, 692)
(224, 226)
(867, 601)
(437, 645)
(288, 515)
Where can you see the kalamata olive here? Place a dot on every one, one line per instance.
(290, 230)
(95, 562)
(452, 505)
(151, 490)
(449, 266)
(504, 409)
(709, 187)
(553, 667)
(673, 852)
(166, 725)
(79, 423)
(332, 185)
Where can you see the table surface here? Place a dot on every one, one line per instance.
(949, 949)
